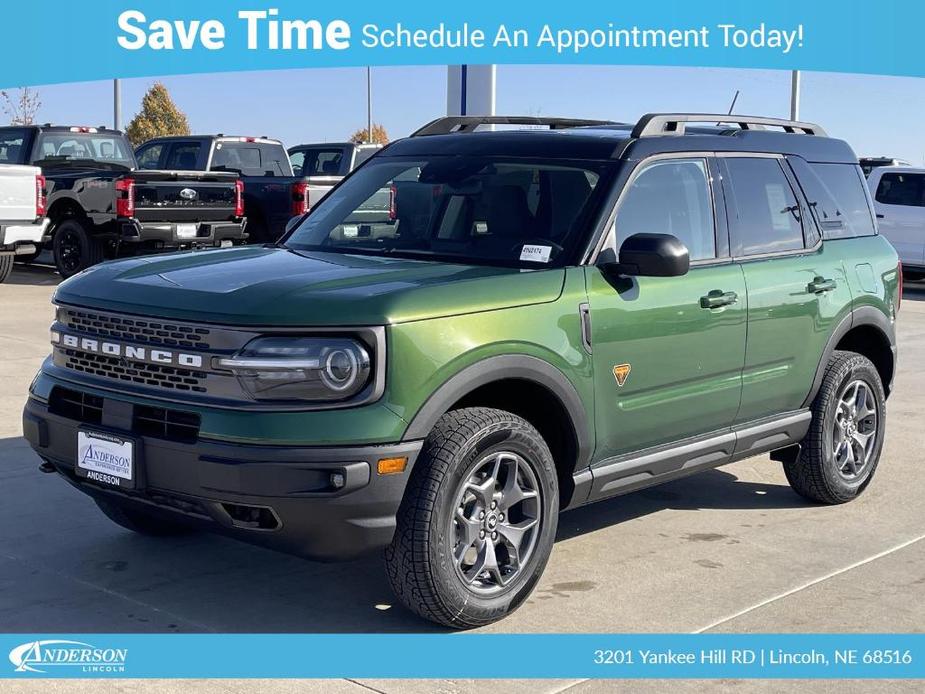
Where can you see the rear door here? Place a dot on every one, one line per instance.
(797, 287)
(899, 198)
(667, 351)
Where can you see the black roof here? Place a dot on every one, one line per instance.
(632, 142)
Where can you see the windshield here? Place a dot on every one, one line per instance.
(473, 210)
(106, 148)
(11, 146)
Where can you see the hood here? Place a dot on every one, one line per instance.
(252, 286)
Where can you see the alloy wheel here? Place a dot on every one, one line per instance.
(496, 522)
(854, 435)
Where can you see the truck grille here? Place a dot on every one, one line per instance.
(134, 372)
(137, 330)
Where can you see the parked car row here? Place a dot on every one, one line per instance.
(86, 195)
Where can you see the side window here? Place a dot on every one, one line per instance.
(901, 189)
(183, 156)
(671, 197)
(297, 159)
(149, 155)
(842, 208)
(764, 213)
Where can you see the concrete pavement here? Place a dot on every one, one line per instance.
(728, 550)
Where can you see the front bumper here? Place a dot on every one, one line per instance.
(284, 498)
(170, 235)
(18, 234)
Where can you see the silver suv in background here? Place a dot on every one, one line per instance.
(899, 201)
(868, 164)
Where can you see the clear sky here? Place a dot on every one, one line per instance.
(877, 115)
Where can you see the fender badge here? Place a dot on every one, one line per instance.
(620, 372)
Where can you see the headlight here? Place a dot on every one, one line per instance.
(301, 368)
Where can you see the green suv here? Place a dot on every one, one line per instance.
(536, 320)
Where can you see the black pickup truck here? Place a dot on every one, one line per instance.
(272, 194)
(101, 206)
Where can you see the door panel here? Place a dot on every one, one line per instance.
(685, 361)
(788, 326)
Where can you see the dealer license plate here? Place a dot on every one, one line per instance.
(105, 459)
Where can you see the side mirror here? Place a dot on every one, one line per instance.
(651, 255)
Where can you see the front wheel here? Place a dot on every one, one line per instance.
(840, 453)
(6, 266)
(478, 520)
(75, 247)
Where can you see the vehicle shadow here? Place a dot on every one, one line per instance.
(69, 569)
(713, 489)
(913, 291)
(34, 274)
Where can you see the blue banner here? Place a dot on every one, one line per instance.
(616, 656)
(73, 41)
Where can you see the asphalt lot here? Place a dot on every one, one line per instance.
(728, 550)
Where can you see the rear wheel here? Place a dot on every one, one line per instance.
(6, 266)
(75, 247)
(840, 453)
(478, 521)
(140, 522)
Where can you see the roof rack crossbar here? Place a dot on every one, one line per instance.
(467, 124)
(674, 123)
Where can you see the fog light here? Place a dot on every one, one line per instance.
(391, 466)
(338, 480)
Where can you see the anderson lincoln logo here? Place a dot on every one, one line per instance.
(129, 352)
(42, 656)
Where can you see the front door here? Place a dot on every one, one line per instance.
(667, 351)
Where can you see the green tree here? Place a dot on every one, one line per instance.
(159, 116)
(380, 136)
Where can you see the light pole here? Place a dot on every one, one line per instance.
(795, 95)
(369, 104)
(116, 104)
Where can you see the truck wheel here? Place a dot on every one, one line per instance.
(6, 267)
(839, 455)
(75, 248)
(478, 520)
(140, 522)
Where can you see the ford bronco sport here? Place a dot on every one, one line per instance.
(545, 319)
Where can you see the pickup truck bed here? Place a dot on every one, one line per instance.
(22, 213)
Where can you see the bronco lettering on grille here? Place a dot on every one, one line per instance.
(134, 352)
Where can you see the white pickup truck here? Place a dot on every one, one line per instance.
(899, 201)
(22, 213)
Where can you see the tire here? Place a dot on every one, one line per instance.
(6, 267)
(75, 247)
(823, 470)
(421, 561)
(258, 232)
(140, 522)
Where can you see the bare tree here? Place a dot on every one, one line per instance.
(21, 108)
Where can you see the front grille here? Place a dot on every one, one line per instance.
(76, 405)
(137, 330)
(134, 371)
(161, 423)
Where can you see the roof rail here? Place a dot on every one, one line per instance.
(674, 123)
(466, 124)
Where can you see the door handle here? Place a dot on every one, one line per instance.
(820, 285)
(881, 216)
(718, 298)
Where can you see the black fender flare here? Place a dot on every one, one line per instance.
(506, 367)
(863, 315)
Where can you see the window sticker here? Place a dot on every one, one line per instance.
(535, 254)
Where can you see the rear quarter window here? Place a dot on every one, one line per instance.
(837, 194)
